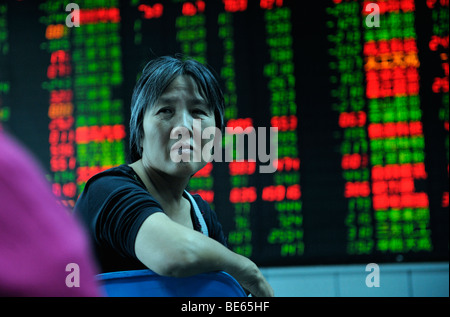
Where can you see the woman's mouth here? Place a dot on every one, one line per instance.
(182, 148)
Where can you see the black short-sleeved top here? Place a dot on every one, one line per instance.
(113, 206)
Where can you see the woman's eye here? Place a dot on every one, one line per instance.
(164, 111)
(200, 111)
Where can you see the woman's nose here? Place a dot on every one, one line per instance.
(183, 121)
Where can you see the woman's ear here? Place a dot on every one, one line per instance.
(140, 144)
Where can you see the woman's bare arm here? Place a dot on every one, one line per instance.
(170, 249)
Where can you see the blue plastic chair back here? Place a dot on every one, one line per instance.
(146, 283)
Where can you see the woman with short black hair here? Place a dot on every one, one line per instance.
(140, 215)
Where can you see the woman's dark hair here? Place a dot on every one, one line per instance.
(156, 77)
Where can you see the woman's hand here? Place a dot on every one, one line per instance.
(252, 280)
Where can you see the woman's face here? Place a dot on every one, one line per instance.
(169, 143)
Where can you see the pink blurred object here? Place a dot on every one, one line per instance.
(39, 238)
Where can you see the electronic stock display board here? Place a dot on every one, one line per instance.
(358, 92)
